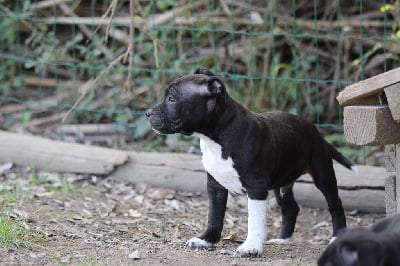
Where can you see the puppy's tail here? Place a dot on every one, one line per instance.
(342, 160)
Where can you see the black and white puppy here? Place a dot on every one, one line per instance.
(377, 246)
(248, 153)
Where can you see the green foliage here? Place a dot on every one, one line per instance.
(15, 234)
(386, 7)
(164, 5)
(9, 195)
(289, 61)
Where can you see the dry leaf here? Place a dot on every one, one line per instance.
(162, 193)
(231, 237)
(134, 213)
(45, 194)
(180, 231)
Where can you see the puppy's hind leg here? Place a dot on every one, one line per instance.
(324, 178)
(289, 211)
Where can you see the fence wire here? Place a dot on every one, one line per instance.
(292, 55)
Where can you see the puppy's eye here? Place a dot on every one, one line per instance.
(170, 99)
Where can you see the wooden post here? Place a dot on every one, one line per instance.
(393, 97)
(397, 166)
(390, 195)
(390, 181)
(368, 121)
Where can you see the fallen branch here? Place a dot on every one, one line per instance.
(160, 19)
(51, 83)
(364, 192)
(46, 4)
(49, 155)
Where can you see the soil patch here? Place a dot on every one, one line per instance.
(90, 220)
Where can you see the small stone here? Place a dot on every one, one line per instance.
(134, 213)
(134, 255)
(353, 212)
(141, 188)
(4, 168)
(224, 251)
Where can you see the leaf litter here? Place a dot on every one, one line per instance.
(104, 220)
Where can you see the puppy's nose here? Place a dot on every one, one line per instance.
(148, 113)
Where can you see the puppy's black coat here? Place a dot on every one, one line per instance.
(377, 246)
(269, 151)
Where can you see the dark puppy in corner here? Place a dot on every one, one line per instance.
(377, 246)
(248, 153)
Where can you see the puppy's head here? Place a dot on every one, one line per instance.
(356, 246)
(189, 103)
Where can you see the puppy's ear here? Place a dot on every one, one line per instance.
(217, 88)
(204, 71)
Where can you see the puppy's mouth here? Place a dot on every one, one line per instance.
(186, 132)
(160, 126)
(157, 131)
(163, 126)
(171, 130)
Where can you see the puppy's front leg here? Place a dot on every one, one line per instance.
(257, 213)
(217, 196)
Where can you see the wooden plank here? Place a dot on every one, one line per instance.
(367, 100)
(370, 125)
(372, 86)
(393, 97)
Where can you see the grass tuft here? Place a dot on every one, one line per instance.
(16, 234)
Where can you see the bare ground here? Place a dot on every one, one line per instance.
(92, 220)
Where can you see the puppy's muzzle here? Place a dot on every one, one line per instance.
(148, 113)
(154, 119)
(157, 122)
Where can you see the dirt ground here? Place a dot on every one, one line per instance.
(89, 220)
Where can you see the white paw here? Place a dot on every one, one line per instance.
(332, 240)
(279, 241)
(197, 243)
(248, 249)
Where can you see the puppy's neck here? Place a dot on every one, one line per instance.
(225, 121)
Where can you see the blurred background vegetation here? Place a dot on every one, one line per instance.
(291, 55)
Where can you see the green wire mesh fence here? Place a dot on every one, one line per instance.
(293, 55)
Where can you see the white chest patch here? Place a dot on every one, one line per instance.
(221, 169)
